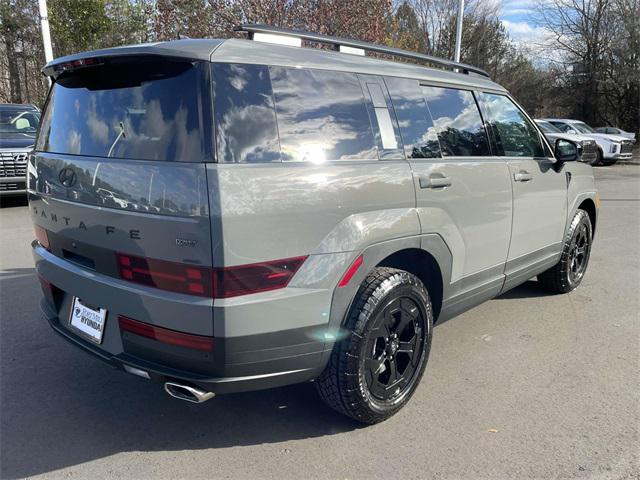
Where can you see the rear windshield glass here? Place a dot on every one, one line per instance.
(143, 110)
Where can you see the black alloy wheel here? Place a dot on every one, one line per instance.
(393, 349)
(375, 369)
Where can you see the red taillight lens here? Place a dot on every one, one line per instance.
(207, 282)
(42, 236)
(175, 277)
(164, 335)
(351, 271)
(257, 277)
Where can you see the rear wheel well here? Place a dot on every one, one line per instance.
(424, 266)
(590, 207)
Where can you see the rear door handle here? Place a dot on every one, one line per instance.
(522, 176)
(435, 180)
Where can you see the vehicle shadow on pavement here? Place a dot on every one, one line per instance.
(61, 407)
(529, 289)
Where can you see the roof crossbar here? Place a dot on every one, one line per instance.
(336, 42)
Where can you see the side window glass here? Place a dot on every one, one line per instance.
(416, 126)
(515, 135)
(457, 122)
(562, 126)
(322, 116)
(245, 120)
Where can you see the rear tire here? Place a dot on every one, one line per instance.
(598, 160)
(374, 371)
(604, 161)
(568, 273)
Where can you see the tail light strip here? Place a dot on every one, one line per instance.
(209, 282)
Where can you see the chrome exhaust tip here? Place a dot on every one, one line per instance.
(187, 392)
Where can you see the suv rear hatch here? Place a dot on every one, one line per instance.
(118, 195)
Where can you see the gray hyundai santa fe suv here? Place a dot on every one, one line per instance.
(232, 215)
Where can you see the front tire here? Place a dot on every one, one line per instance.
(568, 273)
(374, 371)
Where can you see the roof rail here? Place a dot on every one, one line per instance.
(338, 42)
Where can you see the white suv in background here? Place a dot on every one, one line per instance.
(611, 148)
(587, 147)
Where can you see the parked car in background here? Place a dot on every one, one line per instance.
(611, 148)
(18, 126)
(587, 148)
(617, 131)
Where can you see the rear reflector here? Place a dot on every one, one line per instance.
(207, 282)
(164, 335)
(258, 277)
(172, 276)
(351, 271)
(41, 236)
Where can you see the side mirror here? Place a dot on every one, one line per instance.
(565, 150)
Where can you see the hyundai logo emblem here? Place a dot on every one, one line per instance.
(67, 177)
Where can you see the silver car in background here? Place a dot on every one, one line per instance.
(617, 131)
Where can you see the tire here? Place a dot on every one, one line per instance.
(375, 369)
(568, 273)
(598, 160)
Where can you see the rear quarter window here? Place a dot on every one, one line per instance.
(322, 116)
(148, 110)
(245, 119)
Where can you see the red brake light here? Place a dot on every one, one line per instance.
(351, 271)
(80, 63)
(257, 277)
(164, 335)
(42, 236)
(207, 282)
(172, 276)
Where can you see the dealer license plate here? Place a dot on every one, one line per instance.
(87, 320)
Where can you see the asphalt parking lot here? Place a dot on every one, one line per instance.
(528, 385)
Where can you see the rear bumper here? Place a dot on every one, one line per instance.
(239, 363)
(162, 373)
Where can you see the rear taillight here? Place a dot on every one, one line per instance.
(172, 276)
(164, 335)
(42, 236)
(207, 282)
(257, 277)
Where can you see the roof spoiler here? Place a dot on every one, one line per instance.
(356, 46)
